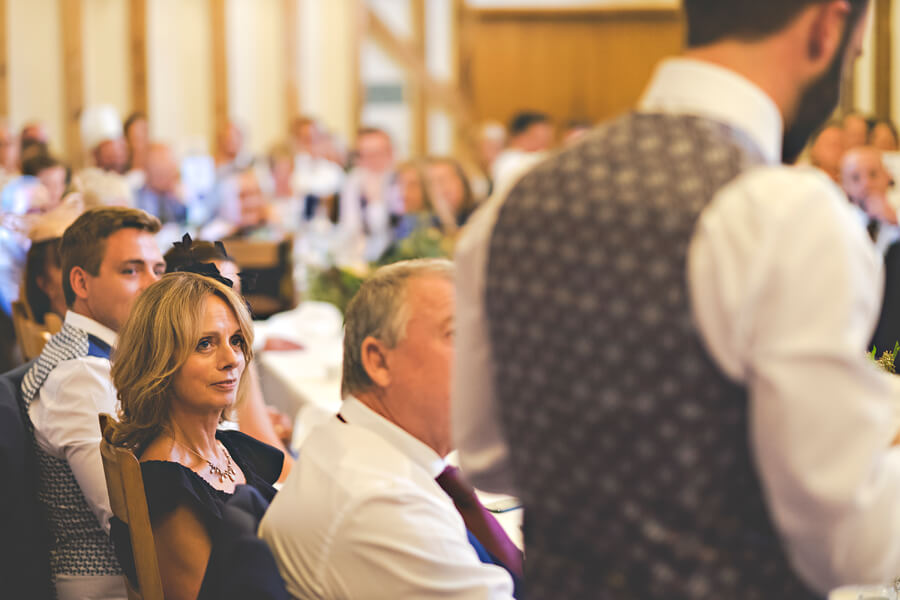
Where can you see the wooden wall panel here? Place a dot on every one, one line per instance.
(4, 63)
(73, 78)
(219, 52)
(138, 52)
(587, 63)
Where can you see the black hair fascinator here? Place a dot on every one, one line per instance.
(192, 265)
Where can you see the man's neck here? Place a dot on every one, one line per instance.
(752, 62)
(377, 402)
(80, 307)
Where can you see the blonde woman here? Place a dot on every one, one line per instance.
(178, 369)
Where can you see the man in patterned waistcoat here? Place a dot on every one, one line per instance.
(661, 335)
(109, 256)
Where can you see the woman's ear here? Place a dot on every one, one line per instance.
(374, 356)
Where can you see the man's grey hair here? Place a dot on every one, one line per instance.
(379, 309)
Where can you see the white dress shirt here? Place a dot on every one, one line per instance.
(511, 164)
(785, 289)
(364, 233)
(361, 516)
(65, 413)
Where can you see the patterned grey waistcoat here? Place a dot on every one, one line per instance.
(629, 446)
(80, 546)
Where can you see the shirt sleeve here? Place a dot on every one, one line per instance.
(402, 544)
(785, 290)
(66, 424)
(483, 453)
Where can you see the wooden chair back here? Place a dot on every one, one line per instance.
(30, 334)
(129, 504)
(270, 263)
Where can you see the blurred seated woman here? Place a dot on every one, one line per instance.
(451, 193)
(43, 291)
(184, 352)
(254, 417)
(416, 201)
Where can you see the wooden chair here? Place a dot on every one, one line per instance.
(270, 262)
(30, 334)
(129, 504)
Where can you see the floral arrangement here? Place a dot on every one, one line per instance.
(338, 285)
(887, 358)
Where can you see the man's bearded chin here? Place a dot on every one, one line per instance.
(815, 107)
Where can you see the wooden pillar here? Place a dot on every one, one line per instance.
(883, 50)
(290, 13)
(219, 67)
(4, 63)
(418, 99)
(73, 78)
(138, 50)
(361, 29)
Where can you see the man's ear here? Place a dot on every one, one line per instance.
(826, 30)
(78, 279)
(375, 361)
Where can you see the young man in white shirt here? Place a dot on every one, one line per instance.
(364, 512)
(109, 257)
(721, 321)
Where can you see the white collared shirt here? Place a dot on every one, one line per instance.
(361, 516)
(786, 291)
(65, 412)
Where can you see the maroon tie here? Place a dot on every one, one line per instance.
(479, 520)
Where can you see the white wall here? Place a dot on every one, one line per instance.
(179, 73)
(34, 48)
(256, 71)
(328, 80)
(106, 54)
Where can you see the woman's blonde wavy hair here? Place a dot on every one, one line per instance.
(158, 337)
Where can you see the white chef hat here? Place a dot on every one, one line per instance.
(98, 124)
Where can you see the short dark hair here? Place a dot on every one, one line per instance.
(710, 21)
(35, 162)
(131, 120)
(522, 120)
(84, 242)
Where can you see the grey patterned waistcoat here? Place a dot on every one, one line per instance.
(80, 546)
(629, 446)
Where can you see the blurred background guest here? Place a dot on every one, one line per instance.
(490, 141)
(244, 211)
(160, 195)
(856, 130)
(367, 201)
(52, 174)
(530, 137)
(101, 135)
(450, 192)
(415, 199)
(42, 288)
(137, 139)
(827, 149)
(884, 136)
(34, 133)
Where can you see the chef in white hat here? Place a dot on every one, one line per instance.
(101, 134)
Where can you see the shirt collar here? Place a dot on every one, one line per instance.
(91, 326)
(357, 413)
(700, 88)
